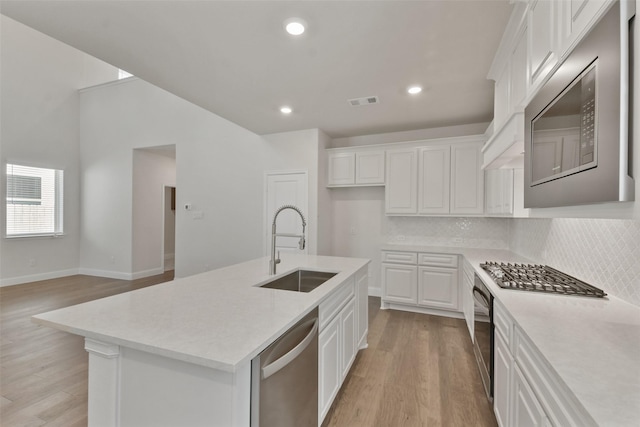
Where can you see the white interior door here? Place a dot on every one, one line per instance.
(284, 188)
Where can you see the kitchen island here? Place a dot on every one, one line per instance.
(179, 353)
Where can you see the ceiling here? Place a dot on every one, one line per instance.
(234, 58)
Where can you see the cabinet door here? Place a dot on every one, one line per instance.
(542, 24)
(399, 283)
(467, 179)
(518, 81)
(401, 181)
(434, 180)
(492, 192)
(438, 287)
(502, 101)
(503, 366)
(348, 336)
(362, 307)
(467, 300)
(329, 369)
(341, 168)
(370, 167)
(577, 16)
(527, 411)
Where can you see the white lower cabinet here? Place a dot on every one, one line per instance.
(526, 392)
(348, 335)
(502, 373)
(438, 287)
(399, 283)
(343, 330)
(466, 293)
(329, 370)
(527, 411)
(420, 281)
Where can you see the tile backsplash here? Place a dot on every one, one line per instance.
(468, 232)
(602, 252)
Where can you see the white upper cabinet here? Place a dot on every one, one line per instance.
(438, 179)
(434, 170)
(499, 192)
(355, 167)
(576, 17)
(341, 168)
(518, 75)
(538, 36)
(467, 180)
(542, 18)
(370, 167)
(401, 181)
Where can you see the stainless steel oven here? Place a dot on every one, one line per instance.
(483, 333)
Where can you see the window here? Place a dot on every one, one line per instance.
(34, 201)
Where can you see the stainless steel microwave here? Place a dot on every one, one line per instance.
(577, 129)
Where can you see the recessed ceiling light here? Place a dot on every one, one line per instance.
(414, 90)
(285, 110)
(295, 26)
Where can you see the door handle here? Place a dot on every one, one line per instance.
(283, 361)
(478, 291)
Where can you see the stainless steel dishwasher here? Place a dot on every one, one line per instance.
(284, 378)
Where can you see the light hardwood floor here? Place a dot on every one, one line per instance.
(419, 370)
(43, 372)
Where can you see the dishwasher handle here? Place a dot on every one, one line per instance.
(283, 361)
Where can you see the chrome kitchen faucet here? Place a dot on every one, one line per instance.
(274, 261)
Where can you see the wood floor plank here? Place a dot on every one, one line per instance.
(43, 372)
(418, 370)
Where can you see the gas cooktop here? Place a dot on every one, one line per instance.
(538, 278)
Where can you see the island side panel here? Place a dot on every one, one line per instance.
(158, 391)
(132, 388)
(104, 387)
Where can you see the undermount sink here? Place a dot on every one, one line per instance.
(299, 281)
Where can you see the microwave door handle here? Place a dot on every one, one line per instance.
(478, 291)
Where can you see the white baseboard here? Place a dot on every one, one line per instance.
(106, 273)
(147, 273)
(375, 292)
(73, 271)
(37, 277)
(422, 310)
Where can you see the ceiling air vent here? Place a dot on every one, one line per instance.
(367, 100)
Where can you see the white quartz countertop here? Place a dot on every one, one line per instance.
(592, 344)
(219, 319)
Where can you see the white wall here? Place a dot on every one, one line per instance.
(151, 173)
(215, 171)
(39, 114)
(297, 151)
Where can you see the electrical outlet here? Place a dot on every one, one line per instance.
(458, 240)
(400, 237)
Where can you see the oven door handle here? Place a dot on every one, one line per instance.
(478, 291)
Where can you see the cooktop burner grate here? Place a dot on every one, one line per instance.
(538, 278)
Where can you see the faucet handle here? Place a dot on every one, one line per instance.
(277, 261)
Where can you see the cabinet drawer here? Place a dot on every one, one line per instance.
(438, 260)
(332, 305)
(400, 257)
(503, 323)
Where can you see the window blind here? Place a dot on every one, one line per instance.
(34, 201)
